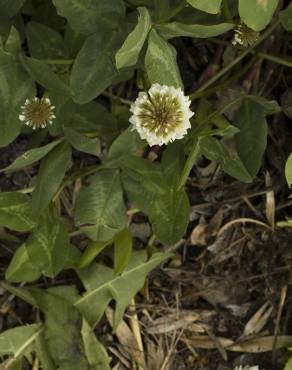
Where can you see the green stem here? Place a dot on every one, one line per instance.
(272, 58)
(118, 98)
(235, 61)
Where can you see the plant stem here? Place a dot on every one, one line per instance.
(235, 61)
(272, 58)
(115, 97)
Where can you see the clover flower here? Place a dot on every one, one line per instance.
(161, 115)
(37, 113)
(245, 36)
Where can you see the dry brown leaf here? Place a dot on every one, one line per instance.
(258, 320)
(171, 322)
(155, 355)
(198, 235)
(127, 340)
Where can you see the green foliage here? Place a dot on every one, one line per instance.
(107, 213)
(212, 6)
(257, 14)
(89, 170)
(128, 54)
(103, 285)
(160, 61)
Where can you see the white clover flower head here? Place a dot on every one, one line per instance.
(161, 115)
(246, 367)
(37, 113)
(244, 36)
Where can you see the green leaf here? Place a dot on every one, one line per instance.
(93, 250)
(15, 341)
(215, 150)
(251, 141)
(288, 365)
(210, 6)
(9, 9)
(21, 268)
(13, 43)
(125, 145)
(288, 170)
(51, 173)
(89, 78)
(190, 162)
(94, 350)
(46, 249)
(30, 157)
(107, 213)
(89, 16)
(103, 285)
(257, 14)
(169, 215)
(123, 243)
(175, 29)
(15, 87)
(67, 351)
(83, 143)
(128, 54)
(44, 75)
(15, 211)
(44, 42)
(43, 354)
(286, 21)
(160, 62)
(172, 164)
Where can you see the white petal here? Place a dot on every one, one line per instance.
(21, 117)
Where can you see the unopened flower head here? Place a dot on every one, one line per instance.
(245, 36)
(37, 113)
(161, 115)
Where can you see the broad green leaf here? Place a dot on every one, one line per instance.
(94, 350)
(215, 150)
(63, 325)
(169, 216)
(15, 341)
(81, 142)
(15, 211)
(107, 213)
(47, 248)
(257, 14)
(288, 365)
(15, 87)
(125, 145)
(128, 54)
(165, 9)
(172, 164)
(175, 29)
(44, 75)
(149, 174)
(51, 173)
(31, 156)
(13, 43)
(288, 170)
(90, 16)
(93, 70)
(286, 21)
(209, 6)
(21, 267)
(9, 8)
(123, 249)
(251, 141)
(160, 62)
(93, 250)
(44, 42)
(43, 354)
(269, 106)
(102, 286)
